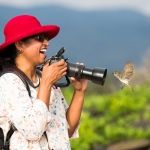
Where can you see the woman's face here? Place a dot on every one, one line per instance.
(33, 49)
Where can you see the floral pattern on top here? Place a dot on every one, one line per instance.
(32, 118)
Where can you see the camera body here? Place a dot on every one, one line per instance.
(79, 71)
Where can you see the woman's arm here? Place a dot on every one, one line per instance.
(73, 113)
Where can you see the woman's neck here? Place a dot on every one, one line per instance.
(27, 68)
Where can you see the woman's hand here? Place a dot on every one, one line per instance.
(55, 71)
(79, 85)
(50, 74)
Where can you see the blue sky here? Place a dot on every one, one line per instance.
(142, 6)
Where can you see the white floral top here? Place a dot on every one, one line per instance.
(31, 117)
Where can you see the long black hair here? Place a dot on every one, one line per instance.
(7, 57)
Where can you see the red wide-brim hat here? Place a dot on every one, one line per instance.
(24, 26)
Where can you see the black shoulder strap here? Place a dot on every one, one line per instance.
(8, 136)
(1, 139)
(5, 145)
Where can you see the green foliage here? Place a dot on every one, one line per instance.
(106, 119)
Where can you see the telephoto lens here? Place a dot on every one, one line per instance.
(96, 75)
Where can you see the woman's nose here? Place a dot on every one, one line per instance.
(46, 42)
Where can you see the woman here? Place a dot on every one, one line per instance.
(26, 42)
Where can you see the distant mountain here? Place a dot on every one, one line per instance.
(96, 38)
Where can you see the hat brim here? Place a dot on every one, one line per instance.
(50, 30)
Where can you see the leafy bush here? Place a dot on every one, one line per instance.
(106, 119)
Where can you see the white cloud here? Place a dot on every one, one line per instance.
(142, 6)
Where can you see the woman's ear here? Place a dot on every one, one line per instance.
(19, 46)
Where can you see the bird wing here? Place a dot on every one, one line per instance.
(128, 70)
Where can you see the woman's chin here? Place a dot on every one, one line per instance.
(42, 57)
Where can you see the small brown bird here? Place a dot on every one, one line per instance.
(126, 75)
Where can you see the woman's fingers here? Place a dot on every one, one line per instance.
(63, 69)
(55, 71)
(59, 63)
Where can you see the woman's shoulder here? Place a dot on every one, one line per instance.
(9, 78)
(8, 75)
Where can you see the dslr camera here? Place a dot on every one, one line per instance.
(79, 71)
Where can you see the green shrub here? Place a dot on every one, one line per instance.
(106, 119)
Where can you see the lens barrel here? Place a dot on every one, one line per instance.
(96, 75)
